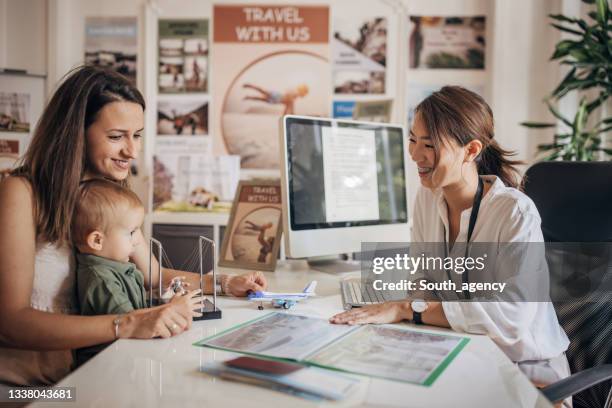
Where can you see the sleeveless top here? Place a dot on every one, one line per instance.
(53, 290)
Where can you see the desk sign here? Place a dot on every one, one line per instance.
(252, 237)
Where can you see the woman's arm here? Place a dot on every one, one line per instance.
(237, 285)
(22, 326)
(392, 312)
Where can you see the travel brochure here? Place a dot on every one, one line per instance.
(382, 351)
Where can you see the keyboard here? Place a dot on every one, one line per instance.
(354, 296)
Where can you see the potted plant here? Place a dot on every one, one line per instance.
(589, 54)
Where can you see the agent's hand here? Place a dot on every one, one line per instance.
(240, 285)
(388, 312)
(163, 321)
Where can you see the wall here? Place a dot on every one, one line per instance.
(518, 73)
(23, 29)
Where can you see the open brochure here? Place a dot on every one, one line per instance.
(382, 351)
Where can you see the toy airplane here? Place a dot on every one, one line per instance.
(283, 300)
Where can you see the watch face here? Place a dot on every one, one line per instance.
(419, 306)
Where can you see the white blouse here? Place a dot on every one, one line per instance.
(53, 290)
(525, 331)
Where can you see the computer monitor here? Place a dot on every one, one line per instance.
(343, 183)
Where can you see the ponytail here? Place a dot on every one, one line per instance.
(457, 113)
(495, 161)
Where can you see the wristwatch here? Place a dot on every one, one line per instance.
(418, 307)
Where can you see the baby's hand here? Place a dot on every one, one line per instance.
(189, 304)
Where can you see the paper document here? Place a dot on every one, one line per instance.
(390, 352)
(349, 170)
(279, 335)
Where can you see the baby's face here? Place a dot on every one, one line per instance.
(120, 239)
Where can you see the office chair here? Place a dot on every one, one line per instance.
(574, 200)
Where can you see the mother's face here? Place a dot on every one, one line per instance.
(114, 139)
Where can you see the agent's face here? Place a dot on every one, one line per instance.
(120, 239)
(448, 170)
(114, 139)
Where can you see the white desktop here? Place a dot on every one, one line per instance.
(343, 183)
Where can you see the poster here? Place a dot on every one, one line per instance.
(343, 109)
(9, 154)
(183, 56)
(187, 177)
(417, 92)
(269, 61)
(112, 42)
(373, 111)
(447, 42)
(182, 117)
(254, 227)
(360, 55)
(14, 112)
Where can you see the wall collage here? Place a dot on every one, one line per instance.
(268, 61)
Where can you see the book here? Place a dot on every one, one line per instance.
(307, 382)
(389, 352)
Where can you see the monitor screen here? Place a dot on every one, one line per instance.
(344, 174)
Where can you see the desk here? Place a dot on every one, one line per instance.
(156, 373)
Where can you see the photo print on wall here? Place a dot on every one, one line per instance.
(182, 117)
(360, 55)
(112, 42)
(14, 112)
(183, 56)
(9, 154)
(447, 42)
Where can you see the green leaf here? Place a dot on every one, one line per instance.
(579, 54)
(561, 17)
(589, 1)
(557, 114)
(605, 121)
(563, 84)
(563, 48)
(595, 140)
(580, 117)
(602, 11)
(597, 102)
(547, 146)
(537, 125)
(553, 156)
(583, 24)
(565, 29)
(607, 151)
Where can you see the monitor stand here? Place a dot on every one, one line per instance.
(334, 266)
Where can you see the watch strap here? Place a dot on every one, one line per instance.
(416, 317)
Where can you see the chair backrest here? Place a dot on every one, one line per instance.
(574, 200)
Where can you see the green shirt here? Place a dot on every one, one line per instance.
(108, 287)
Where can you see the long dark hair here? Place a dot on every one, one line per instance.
(462, 115)
(56, 158)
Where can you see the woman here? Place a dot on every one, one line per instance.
(452, 143)
(92, 127)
